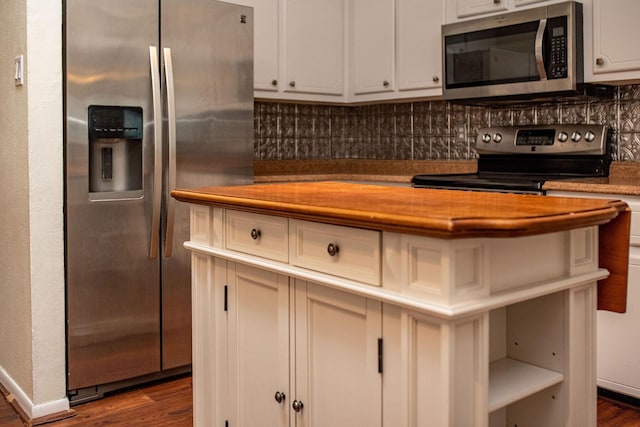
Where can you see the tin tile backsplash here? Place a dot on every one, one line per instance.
(426, 130)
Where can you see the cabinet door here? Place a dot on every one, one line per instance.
(336, 358)
(615, 29)
(419, 44)
(265, 43)
(314, 46)
(373, 45)
(468, 8)
(258, 310)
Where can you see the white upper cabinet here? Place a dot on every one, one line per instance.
(265, 44)
(458, 10)
(413, 59)
(373, 50)
(616, 53)
(468, 8)
(419, 46)
(314, 46)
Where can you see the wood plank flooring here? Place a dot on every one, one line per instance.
(169, 403)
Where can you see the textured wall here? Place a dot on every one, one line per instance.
(426, 130)
(15, 293)
(32, 327)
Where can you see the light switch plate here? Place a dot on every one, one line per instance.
(19, 70)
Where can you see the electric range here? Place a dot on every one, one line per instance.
(519, 159)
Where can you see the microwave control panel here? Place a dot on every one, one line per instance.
(557, 33)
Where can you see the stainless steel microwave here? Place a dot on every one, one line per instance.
(526, 53)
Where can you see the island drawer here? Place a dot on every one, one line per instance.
(352, 253)
(255, 234)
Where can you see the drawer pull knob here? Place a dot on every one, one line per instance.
(333, 249)
(297, 405)
(279, 397)
(255, 234)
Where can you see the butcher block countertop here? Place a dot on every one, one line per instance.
(440, 213)
(436, 213)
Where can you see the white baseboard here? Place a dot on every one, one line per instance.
(31, 410)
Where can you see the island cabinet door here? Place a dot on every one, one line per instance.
(337, 374)
(258, 347)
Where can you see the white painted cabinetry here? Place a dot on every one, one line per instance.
(468, 8)
(308, 324)
(419, 45)
(266, 57)
(314, 46)
(458, 10)
(347, 51)
(615, 56)
(372, 30)
(395, 49)
(618, 346)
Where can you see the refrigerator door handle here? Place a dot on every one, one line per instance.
(157, 151)
(171, 128)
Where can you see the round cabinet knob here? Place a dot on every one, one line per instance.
(274, 82)
(255, 234)
(599, 61)
(333, 249)
(486, 138)
(497, 138)
(297, 405)
(562, 137)
(436, 79)
(589, 136)
(279, 397)
(385, 83)
(576, 136)
(292, 83)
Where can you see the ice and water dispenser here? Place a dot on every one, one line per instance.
(115, 152)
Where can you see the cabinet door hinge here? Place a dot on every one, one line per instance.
(379, 355)
(226, 293)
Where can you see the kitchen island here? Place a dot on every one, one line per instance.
(329, 304)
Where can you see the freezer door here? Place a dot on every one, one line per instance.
(113, 288)
(210, 46)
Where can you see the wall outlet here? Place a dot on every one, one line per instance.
(18, 75)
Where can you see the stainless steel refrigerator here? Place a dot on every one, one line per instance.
(158, 95)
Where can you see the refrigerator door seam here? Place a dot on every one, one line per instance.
(157, 144)
(171, 129)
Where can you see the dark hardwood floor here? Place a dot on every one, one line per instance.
(169, 404)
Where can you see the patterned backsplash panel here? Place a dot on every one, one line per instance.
(426, 130)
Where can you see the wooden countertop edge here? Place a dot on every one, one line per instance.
(442, 228)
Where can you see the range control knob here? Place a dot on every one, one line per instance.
(576, 136)
(562, 137)
(497, 138)
(589, 136)
(486, 138)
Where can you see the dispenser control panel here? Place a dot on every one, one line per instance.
(115, 122)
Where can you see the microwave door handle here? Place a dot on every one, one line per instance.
(539, 56)
(171, 172)
(157, 151)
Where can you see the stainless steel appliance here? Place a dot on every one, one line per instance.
(529, 52)
(158, 95)
(520, 159)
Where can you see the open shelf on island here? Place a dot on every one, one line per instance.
(511, 380)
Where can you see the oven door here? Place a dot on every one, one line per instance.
(527, 52)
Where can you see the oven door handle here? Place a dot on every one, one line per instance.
(542, 26)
